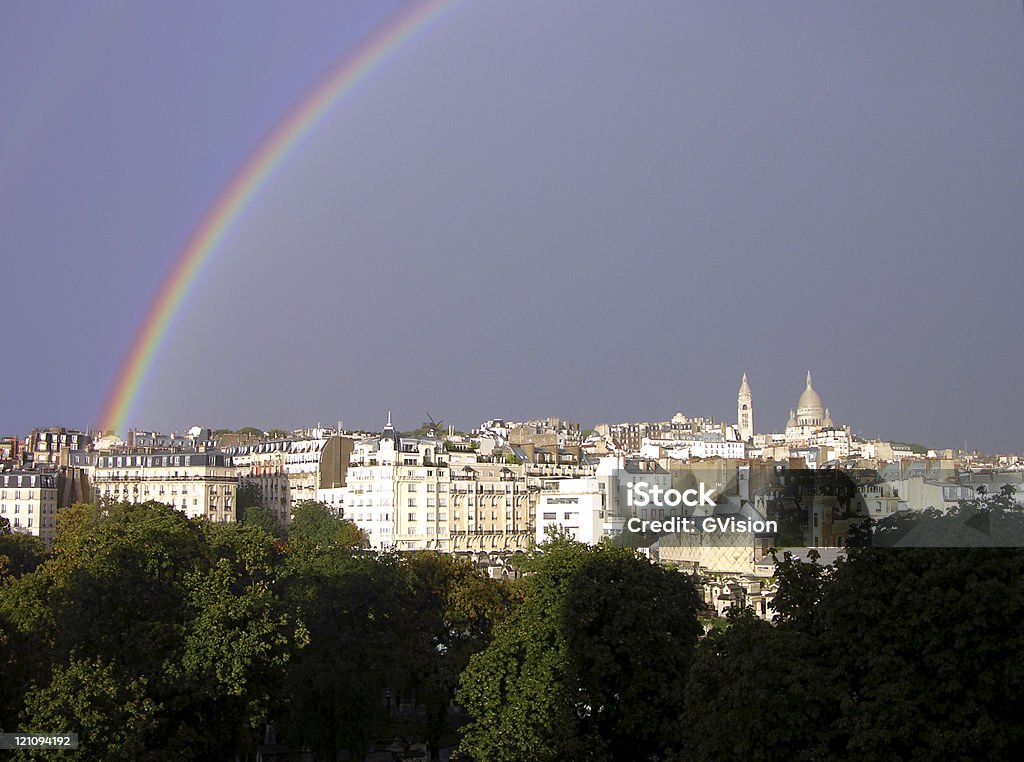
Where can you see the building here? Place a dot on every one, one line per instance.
(289, 470)
(397, 491)
(199, 484)
(49, 447)
(28, 500)
(574, 506)
(745, 411)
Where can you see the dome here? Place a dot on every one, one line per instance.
(809, 410)
(810, 398)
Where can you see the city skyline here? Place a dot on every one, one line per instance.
(603, 213)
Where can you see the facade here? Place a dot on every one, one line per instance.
(421, 492)
(199, 484)
(574, 506)
(49, 447)
(810, 415)
(288, 471)
(397, 491)
(493, 506)
(705, 445)
(28, 500)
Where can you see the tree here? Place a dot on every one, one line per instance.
(19, 553)
(315, 526)
(107, 708)
(264, 519)
(896, 652)
(248, 495)
(240, 637)
(590, 665)
(450, 614)
(352, 606)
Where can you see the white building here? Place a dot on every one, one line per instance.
(696, 446)
(28, 500)
(196, 483)
(288, 471)
(398, 489)
(576, 506)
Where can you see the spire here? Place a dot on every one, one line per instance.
(389, 431)
(744, 386)
(808, 379)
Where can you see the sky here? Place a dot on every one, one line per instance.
(603, 211)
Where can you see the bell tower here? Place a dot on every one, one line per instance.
(745, 411)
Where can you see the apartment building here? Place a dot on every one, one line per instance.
(28, 500)
(290, 470)
(196, 483)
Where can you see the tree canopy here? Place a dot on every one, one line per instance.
(578, 669)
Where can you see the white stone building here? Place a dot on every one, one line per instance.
(28, 500)
(196, 483)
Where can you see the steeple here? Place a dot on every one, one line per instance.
(745, 411)
(389, 431)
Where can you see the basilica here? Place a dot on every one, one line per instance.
(811, 416)
(809, 427)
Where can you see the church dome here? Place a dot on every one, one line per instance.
(809, 409)
(810, 398)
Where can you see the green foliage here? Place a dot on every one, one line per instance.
(248, 495)
(917, 449)
(452, 610)
(108, 708)
(315, 526)
(145, 598)
(352, 606)
(578, 669)
(894, 653)
(263, 518)
(158, 637)
(19, 553)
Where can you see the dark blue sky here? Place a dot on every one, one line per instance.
(603, 211)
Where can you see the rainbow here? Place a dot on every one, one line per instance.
(257, 170)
